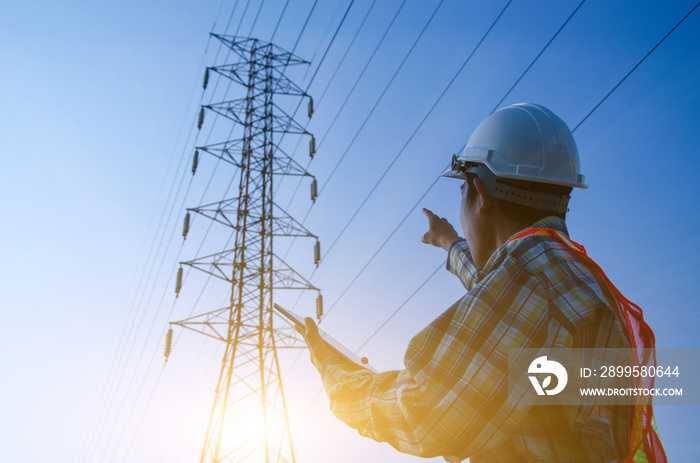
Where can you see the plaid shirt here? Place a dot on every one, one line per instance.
(451, 398)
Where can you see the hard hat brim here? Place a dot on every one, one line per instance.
(457, 170)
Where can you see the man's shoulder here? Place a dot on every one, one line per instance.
(572, 284)
(537, 252)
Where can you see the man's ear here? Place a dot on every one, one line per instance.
(484, 202)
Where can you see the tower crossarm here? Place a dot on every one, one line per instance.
(283, 276)
(286, 277)
(237, 110)
(215, 324)
(250, 49)
(225, 212)
(238, 72)
(229, 152)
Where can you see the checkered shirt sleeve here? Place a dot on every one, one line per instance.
(451, 398)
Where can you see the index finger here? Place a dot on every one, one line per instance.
(311, 328)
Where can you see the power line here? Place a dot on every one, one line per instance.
(578, 125)
(413, 134)
(382, 177)
(325, 53)
(636, 66)
(250, 33)
(386, 87)
(148, 277)
(129, 324)
(155, 351)
(274, 32)
(228, 24)
(240, 23)
(388, 238)
(147, 303)
(303, 28)
(507, 93)
(433, 184)
(403, 304)
(347, 50)
(318, 102)
(381, 96)
(415, 131)
(325, 34)
(517, 81)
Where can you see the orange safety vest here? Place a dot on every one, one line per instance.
(645, 444)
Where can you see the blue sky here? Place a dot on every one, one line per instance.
(98, 125)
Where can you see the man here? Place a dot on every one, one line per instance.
(528, 286)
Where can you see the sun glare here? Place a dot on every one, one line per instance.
(249, 431)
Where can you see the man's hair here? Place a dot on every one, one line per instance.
(523, 215)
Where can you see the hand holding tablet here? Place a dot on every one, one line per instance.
(332, 344)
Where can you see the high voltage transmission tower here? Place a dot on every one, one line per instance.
(248, 420)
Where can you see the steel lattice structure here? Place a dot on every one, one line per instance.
(248, 421)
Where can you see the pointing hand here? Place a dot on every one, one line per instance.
(440, 232)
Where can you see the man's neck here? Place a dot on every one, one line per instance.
(506, 228)
(501, 229)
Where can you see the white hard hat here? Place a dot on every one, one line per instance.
(525, 142)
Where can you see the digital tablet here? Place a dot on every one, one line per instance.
(334, 345)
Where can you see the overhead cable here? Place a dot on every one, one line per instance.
(532, 63)
(636, 66)
(415, 131)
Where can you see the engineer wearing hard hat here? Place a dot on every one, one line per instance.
(528, 286)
